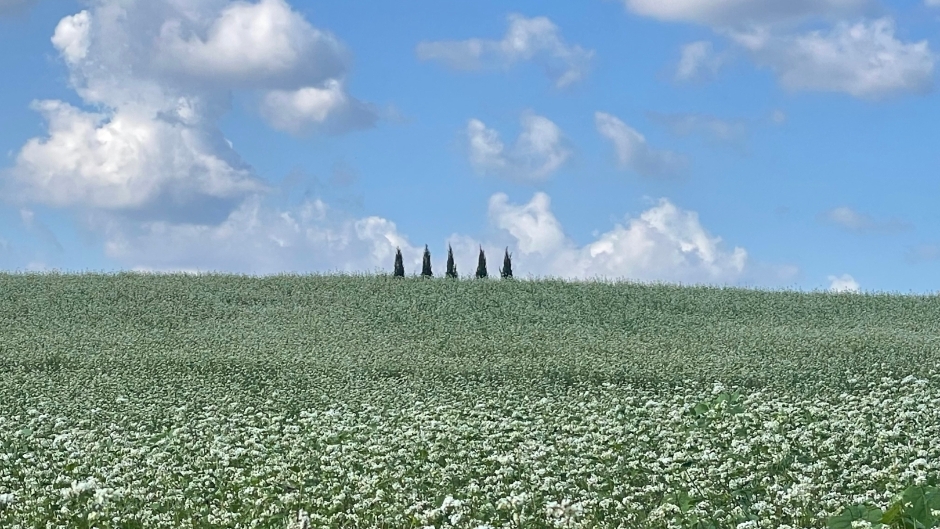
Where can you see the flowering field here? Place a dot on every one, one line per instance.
(171, 401)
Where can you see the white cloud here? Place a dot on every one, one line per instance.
(852, 220)
(863, 59)
(160, 76)
(843, 283)
(932, 3)
(264, 45)
(778, 117)
(538, 152)
(526, 39)
(71, 36)
(633, 151)
(328, 107)
(743, 12)
(124, 160)
(699, 62)
(713, 129)
(664, 243)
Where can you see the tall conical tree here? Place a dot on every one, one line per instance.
(506, 272)
(451, 267)
(399, 267)
(426, 266)
(481, 265)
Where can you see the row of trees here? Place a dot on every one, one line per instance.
(505, 272)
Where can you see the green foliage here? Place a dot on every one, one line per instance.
(426, 265)
(163, 401)
(918, 507)
(399, 266)
(451, 267)
(506, 271)
(481, 265)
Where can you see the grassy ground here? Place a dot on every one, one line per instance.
(223, 401)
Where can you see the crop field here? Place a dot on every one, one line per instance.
(177, 401)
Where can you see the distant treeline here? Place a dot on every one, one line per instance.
(505, 272)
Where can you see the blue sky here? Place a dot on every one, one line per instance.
(758, 143)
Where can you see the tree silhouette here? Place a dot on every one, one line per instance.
(399, 267)
(481, 265)
(506, 272)
(451, 267)
(426, 266)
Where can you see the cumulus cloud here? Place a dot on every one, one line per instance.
(663, 243)
(852, 220)
(160, 76)
(632, 150)
(121, 161)
(843, 283)
(743, 12)
(864, 59)
(261, 45)
(713, 129)
(535, 39)
(328, 108)
(537, 152)
(699, 61)
(71, 36)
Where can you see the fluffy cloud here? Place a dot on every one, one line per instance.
(538, 151)
(262, 45)
(664, 243)
(743, 12)
(328, 107)
(633, 152)
(123, 160)
(843, 283)
(699, 62)
(713, 129)
(852, 220)
(526, 39)
(863, 59)
(160, 75)
(71, 37)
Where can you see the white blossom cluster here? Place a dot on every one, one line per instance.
(402, 454)
(230, 412)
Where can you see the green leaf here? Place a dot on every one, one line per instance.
(855, 513)
(892, 514)
(684, 501)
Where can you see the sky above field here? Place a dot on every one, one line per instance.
(780, 144)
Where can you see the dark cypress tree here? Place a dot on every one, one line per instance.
(451, 267)
(426, 266)
(481, 265)
(399, 267)
(506, 272)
